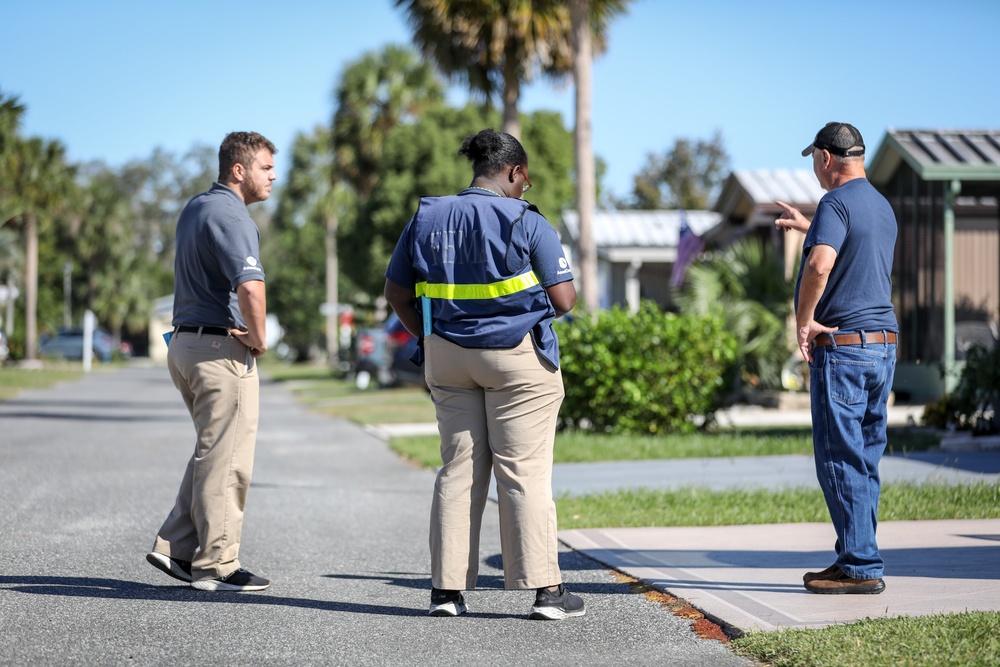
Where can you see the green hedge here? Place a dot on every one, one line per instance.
(643, 373)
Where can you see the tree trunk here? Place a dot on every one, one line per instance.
(30, 286)
(332, 297)
(586, 186)
(8, 320)
(511, 99)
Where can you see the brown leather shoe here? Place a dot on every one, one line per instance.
(841, 584)
(832, 571)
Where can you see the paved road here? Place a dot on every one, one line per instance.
(89, 469)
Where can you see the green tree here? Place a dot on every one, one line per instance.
(745, 285)
(375, 94)
(102, 244)
(158, 188)
(686, 176)
(296, 248)
(421, 158)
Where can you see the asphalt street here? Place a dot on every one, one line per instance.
(89, 469)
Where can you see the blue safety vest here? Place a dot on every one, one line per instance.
(469, 260)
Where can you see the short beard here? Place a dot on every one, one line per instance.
(254, 193)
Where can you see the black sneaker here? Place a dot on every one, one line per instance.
(176, 568)
(556, 605)
(446, 603)
(240, 580)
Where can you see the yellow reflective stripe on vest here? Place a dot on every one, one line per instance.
(490, 291)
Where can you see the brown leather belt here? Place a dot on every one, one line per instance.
(823, 340)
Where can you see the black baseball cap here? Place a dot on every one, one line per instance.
(841, 139)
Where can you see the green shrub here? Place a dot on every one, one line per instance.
(644, 373)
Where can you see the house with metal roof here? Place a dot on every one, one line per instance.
(746, 204)
(944, 186)
(636, 251)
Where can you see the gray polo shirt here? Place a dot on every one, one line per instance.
(218, 248)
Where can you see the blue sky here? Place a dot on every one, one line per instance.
(114, 79)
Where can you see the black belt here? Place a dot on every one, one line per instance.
(823, 340)
(207, 331)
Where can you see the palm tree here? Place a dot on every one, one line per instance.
(745, 283)
(586, 180)
(11, 112)
(495, 46)
(589, 21)
(44, 185)
(375, 94)
(11, 258)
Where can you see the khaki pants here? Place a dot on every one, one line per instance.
(496, 412)
(218, 380)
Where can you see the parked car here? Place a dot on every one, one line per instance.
(68, 344)
(383, 356)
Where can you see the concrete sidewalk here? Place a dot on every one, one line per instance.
(750, 577)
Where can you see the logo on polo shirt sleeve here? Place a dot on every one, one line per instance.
(251, 264)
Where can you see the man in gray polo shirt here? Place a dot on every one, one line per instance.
(219, 331)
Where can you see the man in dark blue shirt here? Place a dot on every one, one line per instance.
(847, 331)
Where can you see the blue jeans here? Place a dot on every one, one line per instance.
(849, 387)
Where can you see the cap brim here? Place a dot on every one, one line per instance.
(808, 150)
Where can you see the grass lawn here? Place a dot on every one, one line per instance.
(577, 447)
(701, 507)
(319, 389)
(953, 640)
(14, 380)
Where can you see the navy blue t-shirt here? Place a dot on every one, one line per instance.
(218, 248)
(478, 238)
(857, 222)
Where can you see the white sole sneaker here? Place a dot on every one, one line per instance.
(448, 609)
(240, 580)
(217, 585)
(167, 565)
(553, 613)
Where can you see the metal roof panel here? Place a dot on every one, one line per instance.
(792, 186)
(641, 229)
(939, 154)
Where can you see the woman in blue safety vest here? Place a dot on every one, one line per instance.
(479, 277)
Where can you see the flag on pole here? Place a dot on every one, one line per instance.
(689, 245)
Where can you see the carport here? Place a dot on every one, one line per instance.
(944, 186)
